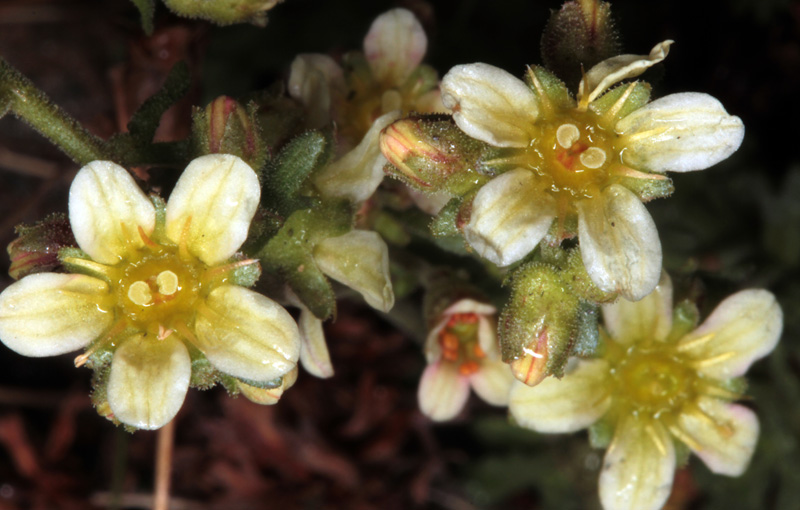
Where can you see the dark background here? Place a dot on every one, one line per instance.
(357, 440)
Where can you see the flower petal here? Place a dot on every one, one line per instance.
(395, 46)
(490, 104)
(442, 391)
(360, 260)
(316, 81)
(357, 174)
(313, 349)
(247, 335)
(638, 467)
(615, 69)
(680, 133)
(619, 243)
(723, 435)
(650, 317)
(47, 314)
(492, 382)
(106, 207)
(572, 403)
(509, 217)
(212, 205)
(744, 328)
(148, 381)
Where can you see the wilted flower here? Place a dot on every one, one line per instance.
(378, 87)
(590, 161)
(657, 382)
(462, 352)
(158, 291)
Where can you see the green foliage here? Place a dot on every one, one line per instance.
(147, 9)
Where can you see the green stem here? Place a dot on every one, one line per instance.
(30, 104)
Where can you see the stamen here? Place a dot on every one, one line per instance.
(685, 345)
(183, 251)
(717, 392)
(164, 333)
(468, 367)
(593, 157)
(167, 282)
(146, 239)
(685, 438)
(651, 432)
(567, 135)
(139, 293)
(617, 106)
(703, 363)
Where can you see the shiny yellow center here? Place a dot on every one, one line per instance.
(572, 155)
(158, 287)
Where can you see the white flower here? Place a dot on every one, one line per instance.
(656, 383)
(572, 160)
(377, 92)
(159, 296)
(462, 352)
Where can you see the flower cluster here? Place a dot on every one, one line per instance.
(155, 290)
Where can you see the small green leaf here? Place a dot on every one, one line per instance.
(146, 10)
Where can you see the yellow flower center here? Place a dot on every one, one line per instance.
(159, 286)
(572, 156)
(458, 340)
(654, 382)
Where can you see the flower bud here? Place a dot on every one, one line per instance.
(227, 127)
(224, 12)
(426, 151)
(268, 396)
(578, 36)
(36, 248)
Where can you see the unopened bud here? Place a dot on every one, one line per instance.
(427, 150)
(36, 248)
(531, 366)
(224, 12)
(226, 127)
(578, 36)
(268, 396)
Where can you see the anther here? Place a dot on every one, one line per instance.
(567, 135)
(167, 282)
(139, 293)
(593, 157)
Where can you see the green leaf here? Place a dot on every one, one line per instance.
(146, 10)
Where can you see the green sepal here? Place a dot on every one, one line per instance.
(685, 317)
(287, 173)
(682, 454)
(264, 385)
(620, 101)
(223, 12)
(227, 127)
(580, 282)
(392, 229)
(552, 93)
(245, 276)
(660, 186)
(279, 117)
(601, 433)
(444, 223)
(36, 247)
(73, 252)
(587, 336)
(147, 9)
(423, 79)
(204, 375)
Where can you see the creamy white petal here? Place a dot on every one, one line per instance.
(429, 202)
(490, 104)
(468, 305)
(487, 336)
(492, 382)
(723, 435)
(247, 335)
(106, 209)
(649, 318)
(615, 69)
(395, 46)
(314, 354)
(148, 380)
(638, 467)
(47, 314)
(316, 81)
(357, 174)
(442, 391)
(360, 260)
(433, 349)
(509, 217)
(679, 133)
(744, 328)
(268, 396)
(568, 404)
(212, 205)
(619, 243)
